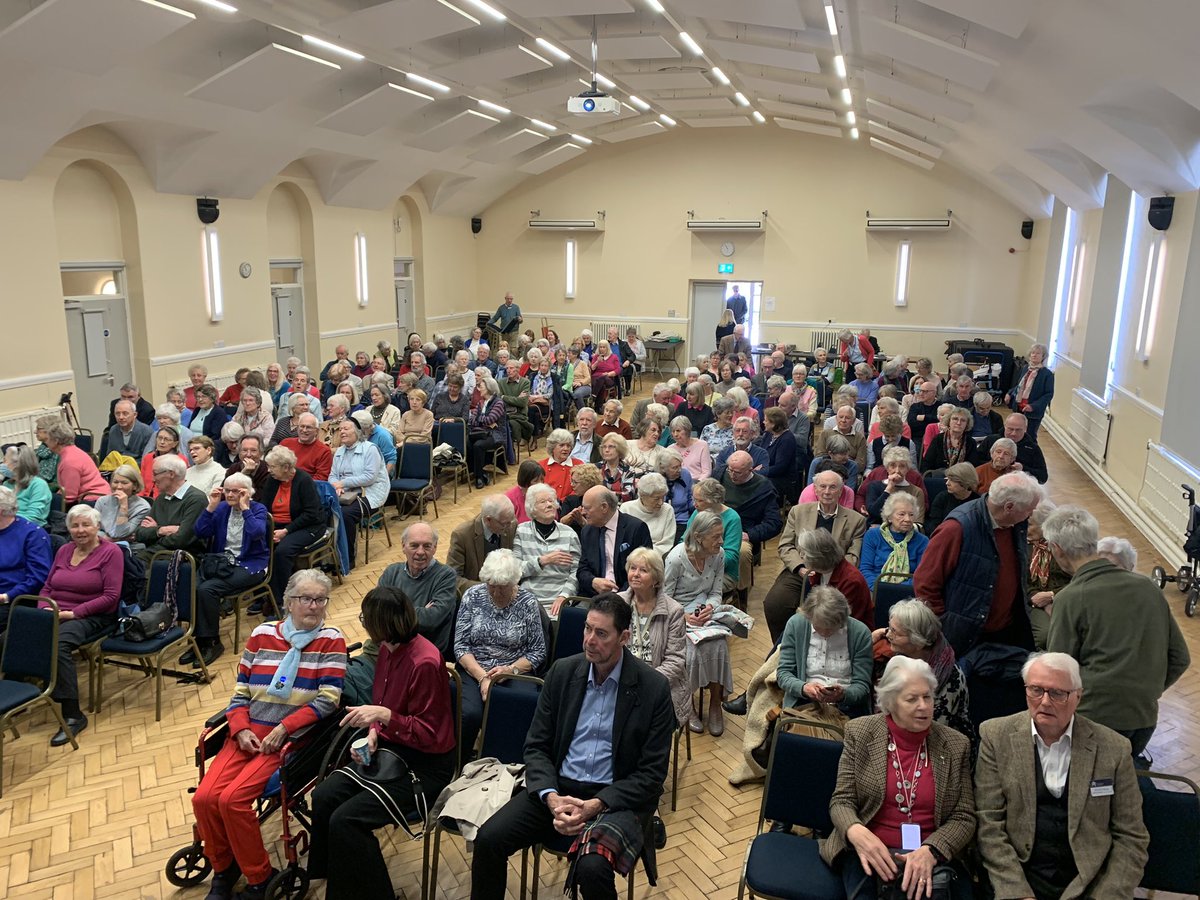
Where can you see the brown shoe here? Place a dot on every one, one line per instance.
(716, 720)
(695, 726)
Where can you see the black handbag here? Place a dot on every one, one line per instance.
(944, 875)
(149, 623)
(389, 767)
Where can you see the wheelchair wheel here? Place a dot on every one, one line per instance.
(1193, 599)
(290, 884)
(1159, 576)
(188, 866)
(1184, 578)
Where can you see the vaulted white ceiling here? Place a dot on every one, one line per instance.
(1036, 99)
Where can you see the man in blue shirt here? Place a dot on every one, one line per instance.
(507, 317)
(597, 749)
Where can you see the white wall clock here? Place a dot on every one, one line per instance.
(727, 248)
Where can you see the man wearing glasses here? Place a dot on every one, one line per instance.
(1058, 804)
(312, 455)
(171, 524)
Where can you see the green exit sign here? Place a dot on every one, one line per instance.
(724, 268)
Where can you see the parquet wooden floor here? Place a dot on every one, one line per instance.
(101, 822)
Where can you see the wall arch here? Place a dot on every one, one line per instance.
(408, 211)
(290, 236)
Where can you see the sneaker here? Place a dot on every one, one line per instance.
(255, 608)
(223, 882)
(75, 726)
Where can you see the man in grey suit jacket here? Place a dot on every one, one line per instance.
(598, 748)
(1059, 808)
(473, 540)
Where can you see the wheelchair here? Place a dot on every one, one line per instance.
(1188, 577)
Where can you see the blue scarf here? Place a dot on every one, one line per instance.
(285, 673)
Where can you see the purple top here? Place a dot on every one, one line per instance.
(91, 588)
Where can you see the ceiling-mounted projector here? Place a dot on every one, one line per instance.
(591, 103)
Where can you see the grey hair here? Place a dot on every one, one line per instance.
(1039, 516)
(897, 454)
(232, 431)
(533, 493)
(819, 550)
(837, 443)
(776, 381)
(238, 479)
(915, 617)
(705, 379)
(432, 530)
(663, 457)
(1005, 444)
(1059, 662)
(8, 502)
(891, 367)
(300, 576)
(364, 418)
(83, 511)
(964, 379)
(898, 672)
(617, 403)
(169, 410)
(702, 523)
(680, 422)
(659, 388)
(723, 405)
(1019, 488)
(737, 395)
(1074, 530)
(802, 367)
(1118, 551)
(752, 421)
(173, 464)
(338, 400)
(862, 369)
(659, 413)
(198, 367)
(711, 490)
(826, 607)
(500, 567)
(1045, 350)
(888, 404)
(559, 436)
(982, 398)
(281, 456)
(652, 484)
(60, 433)
(495, 505)
(619, 442)
(960, 413)
(489, 384)
(694, 389)
(896, 498)
(298, 402)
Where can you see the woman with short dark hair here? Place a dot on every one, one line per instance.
(410, 721)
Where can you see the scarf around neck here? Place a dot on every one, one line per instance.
(285, 673)
(896, 567)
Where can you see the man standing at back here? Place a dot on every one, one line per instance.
(1117, 625)
(736, 304)
(508, 317)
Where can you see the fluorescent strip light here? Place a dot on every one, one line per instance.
(639, 103)
(721, 76)
(666, 118)
(903, 254)
(741, 99)
(536, 56)
(360, 268)
(307, 56)
(759, 118)
(1076, 286)
(569, 292)
(397, 87)
(217, 4)
(494, 107)
(428, 82)
(215, 296)
(330, 46)
(490, 10)
(546, 125)
(176, 10)
(831, 18)
(839, 65)
(557, 51)
(854, 134)
(454, 8)
(846, 97)
(851, 118)
(581, 138)
(479, 115)
(655, 5)
(691, 43)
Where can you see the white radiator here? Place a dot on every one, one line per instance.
(1162, 491)
(19, 428)
(1090, 421)
(600, 329)
(827, 339)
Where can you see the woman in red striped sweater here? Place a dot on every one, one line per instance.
(290, 676)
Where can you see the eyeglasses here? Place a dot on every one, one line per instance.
(1057, 695)
(310, 601)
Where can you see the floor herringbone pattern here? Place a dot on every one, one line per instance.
(102, 821)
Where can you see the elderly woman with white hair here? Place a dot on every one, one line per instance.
(1003, 460)
(891, 551)
(986, 421)
(1033, 389)
(1045, 577)
(252, 416)
(657, 632)
(649, 506)
(122, 511)
(548, 550)
(869, 844)
(649, 431)
(170, 414)
(1118, 551)
(914, 631)
(498, 632)
(719, 435)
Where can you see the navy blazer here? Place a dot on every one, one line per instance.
(256, 552)
(631, 534)
(1040, 394)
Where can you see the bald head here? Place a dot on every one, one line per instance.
(740, 467)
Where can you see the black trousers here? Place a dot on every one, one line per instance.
(352, 514)
(781, 602)
(479, 449)
(522, 822)
(73, 634)
(286, 552)
(211, 591)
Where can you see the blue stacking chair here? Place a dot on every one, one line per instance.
(568, 639)
(888, 595)
(801, 776)
(30, 654)
(147, 656)
(1173, 819)
(507, 715)
(414, 477)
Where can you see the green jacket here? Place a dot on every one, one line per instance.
(793, 662)
(1118, 625)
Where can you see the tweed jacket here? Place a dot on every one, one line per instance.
(467, 551)
(849, 527)
(1106, 834)
(862, 786)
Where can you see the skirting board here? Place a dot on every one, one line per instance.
(1166, 544)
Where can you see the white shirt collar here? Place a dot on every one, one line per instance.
(1066, 736)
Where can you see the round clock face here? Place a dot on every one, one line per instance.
(727, 248)
(244, 269)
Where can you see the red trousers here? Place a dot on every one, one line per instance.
(224, 808)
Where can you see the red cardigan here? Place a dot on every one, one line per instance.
(411, 681)
(864, 344)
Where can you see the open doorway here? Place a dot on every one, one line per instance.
(98, 336)
(287, 301)
(708, 302)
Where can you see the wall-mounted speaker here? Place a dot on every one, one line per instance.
(206, 209)
(476, 225)
(1027, 229)
(1159, 214)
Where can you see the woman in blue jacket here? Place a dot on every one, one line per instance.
(892, 551)
(239, 552)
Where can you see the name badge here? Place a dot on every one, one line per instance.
(910, 837)
(1102, 787)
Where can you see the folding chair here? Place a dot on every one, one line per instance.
(30, 654)
(568, 637)
(454, 433)
(560, 845)
(682, 734)
(801, 776)
(147, 656)
(260, 591)
(414, 478)
(324, 553)
(510, 713)
(888, 595)
(367, 523)
(1173, 819)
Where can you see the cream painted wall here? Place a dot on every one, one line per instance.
(284, 239)
(814, 256)
(87, 218)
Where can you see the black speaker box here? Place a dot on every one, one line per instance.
(206, 210)
(1027, 229)
(476, 225)
(1159, 215)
